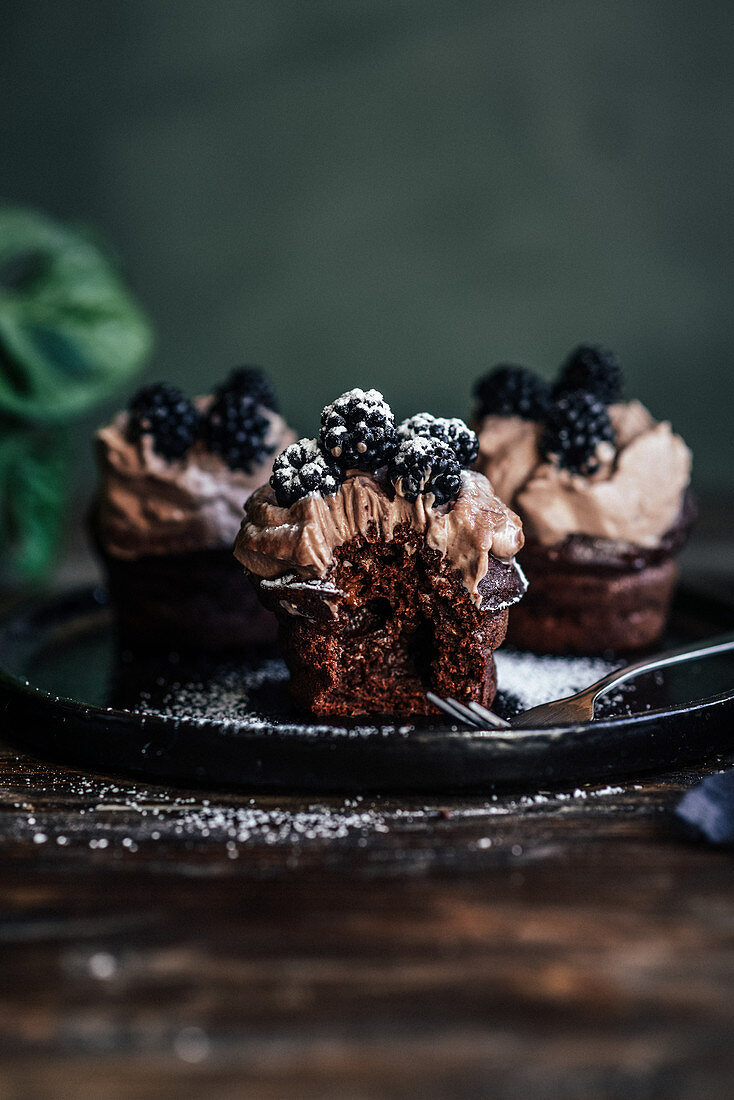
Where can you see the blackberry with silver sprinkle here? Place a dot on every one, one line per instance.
(575, 426)
(358, 430)
(512, 391)
(449, 430)
(424, 465)
(301, 469)
(165, 414)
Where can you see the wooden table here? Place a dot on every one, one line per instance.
(158, 943)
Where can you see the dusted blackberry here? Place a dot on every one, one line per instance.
(165, 414)
(512, 391)
(452, 431)
(358, 430)
(236, 429)
(301, 469)
(425, 465)
(594, 369)
(251, 382)
(575, 426)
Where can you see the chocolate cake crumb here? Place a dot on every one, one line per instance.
(395, 622)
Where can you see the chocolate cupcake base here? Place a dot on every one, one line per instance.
(596, 595)
(202, 600)
(390, 622)
(574, 608)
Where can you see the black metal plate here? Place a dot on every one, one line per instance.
(65, 693)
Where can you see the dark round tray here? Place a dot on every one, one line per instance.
(67, 693)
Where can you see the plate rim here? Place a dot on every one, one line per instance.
(95, 595)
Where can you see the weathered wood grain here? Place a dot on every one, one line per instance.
(170, 944)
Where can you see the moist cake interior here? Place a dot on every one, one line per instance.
(394, 622)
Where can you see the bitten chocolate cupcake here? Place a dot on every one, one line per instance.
(389, 564)
(602, 489)
(174, 477)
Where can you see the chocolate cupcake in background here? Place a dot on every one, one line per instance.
(388, 563)
(603, 492)
(174, 475)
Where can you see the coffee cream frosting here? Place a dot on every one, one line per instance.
(151, 505)
(299, 542)
(635, 497)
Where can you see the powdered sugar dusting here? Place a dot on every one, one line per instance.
(254, 696)
(301, 470)
(530, 680)
(128, 818)
(225, 697)
(292, 580)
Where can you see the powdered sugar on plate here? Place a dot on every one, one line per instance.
(527, 680)
(254, 696)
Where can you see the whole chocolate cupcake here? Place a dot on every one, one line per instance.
(174, 477)
(390, 566)
(603, 492)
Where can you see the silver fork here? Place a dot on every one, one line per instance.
(579, 707)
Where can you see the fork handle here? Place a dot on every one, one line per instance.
(722, 644)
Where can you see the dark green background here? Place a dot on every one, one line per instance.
(398, 193)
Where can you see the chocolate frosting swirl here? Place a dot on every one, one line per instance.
(300, 541)
(148, 504)
(634, 499)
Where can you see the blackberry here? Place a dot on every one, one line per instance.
(452, 431)
(512, 391)
(301, 469)
(165, 414)
(358, 430)
(251, 382)
(594, 369)
(425, 465)
(576, 424)
(236, 429)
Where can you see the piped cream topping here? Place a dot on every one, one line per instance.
(301, 540)
(148, 504)
(635, 496)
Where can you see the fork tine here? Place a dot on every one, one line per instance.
(487, 716)
(453, 709)
(472, 713)
(469, 715)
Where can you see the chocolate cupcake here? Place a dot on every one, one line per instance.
(174, 477)
(389, 565)
(603, 493)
